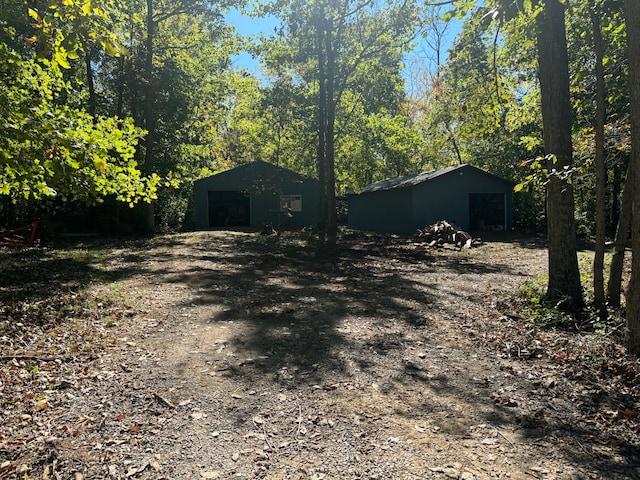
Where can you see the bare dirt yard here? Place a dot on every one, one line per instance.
(219, 355)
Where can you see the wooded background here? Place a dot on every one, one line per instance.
(109, 104)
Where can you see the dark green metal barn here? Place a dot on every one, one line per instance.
(467, 196)
(254, 194)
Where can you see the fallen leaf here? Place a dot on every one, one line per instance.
(210, 474)
(235, 456)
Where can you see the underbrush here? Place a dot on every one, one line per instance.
(580, 346)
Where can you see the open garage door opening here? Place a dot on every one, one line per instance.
(229, 209)
(487, 211)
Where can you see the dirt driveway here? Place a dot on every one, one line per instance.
(240, 356)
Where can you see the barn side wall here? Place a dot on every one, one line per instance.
(447, 197)
(387, 211)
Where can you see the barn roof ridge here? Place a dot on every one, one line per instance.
(408, 181)
(262, 163)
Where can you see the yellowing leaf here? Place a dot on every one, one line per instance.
(100, 164)
(61, 59)
(33, 14)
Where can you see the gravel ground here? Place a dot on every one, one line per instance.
(230, 355)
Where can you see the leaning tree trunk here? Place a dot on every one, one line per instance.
(632, 16)
(621, 242)
(564, 275)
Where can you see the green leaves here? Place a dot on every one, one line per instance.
(70, 26)
(50, 149)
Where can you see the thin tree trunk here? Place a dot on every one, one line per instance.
(149, 93)
(632, 16)
(149, 112)
(120, 89)
(564, 275)
(598, 261)
(616, 182)
(91, 105)
(614, 287)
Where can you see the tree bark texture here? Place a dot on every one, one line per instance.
(564, 275)
(632, 16)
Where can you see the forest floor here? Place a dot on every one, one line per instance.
(218, 355)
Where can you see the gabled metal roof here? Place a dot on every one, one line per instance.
(409, 180)
(413, 180)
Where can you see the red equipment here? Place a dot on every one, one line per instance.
(21, 237)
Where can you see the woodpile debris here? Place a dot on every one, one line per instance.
(267, 229)
(445, 233)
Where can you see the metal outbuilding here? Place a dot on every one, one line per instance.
(255, 194)
(471, 198)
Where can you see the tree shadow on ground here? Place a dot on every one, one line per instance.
(39, 274)
(298, 301)
(300, 304)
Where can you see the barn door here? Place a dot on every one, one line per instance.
(229, 209)
(487, 211)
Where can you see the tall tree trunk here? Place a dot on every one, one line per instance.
(614, 287)
(149, 113)
(149, 93)
(322, 131)
(564, 275)
(632, 16)
(601, 217)
(332, 220)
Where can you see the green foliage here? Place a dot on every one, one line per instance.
(65, 29)
(52, 149)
